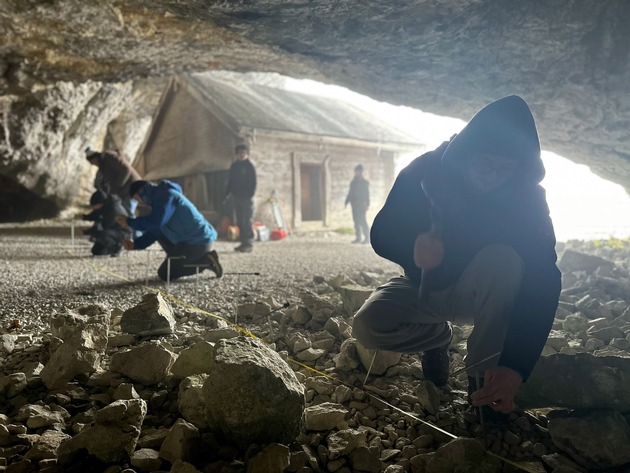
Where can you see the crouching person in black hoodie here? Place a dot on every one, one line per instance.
(469, 224)
(106, 233)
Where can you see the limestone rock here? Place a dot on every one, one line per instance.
(325, 416)
(347, 359)
(190, 400)
(148, 364)
(273, 458)
(578, 381)
(428, 397)
(380, 363)
(46, 446)
(153, 316)
(181, 443)
(37, 416)
(353, 297)
(12, 385)
(572, 260)
(596, 440)
(193, 360)
(464, 456)
(7, 343)
(318, 307)
(146, 459)
(345, 441)
(84, 340)
(251, 394)
(112, 438)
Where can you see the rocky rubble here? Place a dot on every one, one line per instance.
(86, 386)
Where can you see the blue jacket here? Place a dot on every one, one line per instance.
(172, 216)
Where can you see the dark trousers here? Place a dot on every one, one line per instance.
(183, 256)
(108, 242)
(244, 209)
(395, 319)
(360, 223)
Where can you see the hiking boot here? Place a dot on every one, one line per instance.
(435, 365)
(215, 266)
(244, 248)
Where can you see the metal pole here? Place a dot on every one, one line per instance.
(168, 272)
(474, 365)
(146, 275)
(481, 419)
(370, 368)
(238, 290)
(197, 280)
(72, 233)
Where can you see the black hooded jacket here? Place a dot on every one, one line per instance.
(433, 188)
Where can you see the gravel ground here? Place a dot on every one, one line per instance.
(45, 272)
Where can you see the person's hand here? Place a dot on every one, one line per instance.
(122, 221)
(428, 251)
(128, 244)
(501, 385)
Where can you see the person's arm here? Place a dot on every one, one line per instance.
(535, 306)
(533, 312)
(92, 216)
(250, 183)
(350, 193)
(405, 215)
(162, 209)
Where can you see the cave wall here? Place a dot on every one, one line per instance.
(72, 72)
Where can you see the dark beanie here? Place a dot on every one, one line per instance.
(99, 197)
(90, 154)
(136, 187)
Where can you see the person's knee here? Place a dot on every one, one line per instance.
(364, 326)
(503, 263)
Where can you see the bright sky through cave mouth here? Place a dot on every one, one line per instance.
(583, 206)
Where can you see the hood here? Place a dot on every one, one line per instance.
(504, 127)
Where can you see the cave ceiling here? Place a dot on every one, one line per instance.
(570, 59)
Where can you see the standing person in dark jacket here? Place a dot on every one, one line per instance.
(470, 225)
(106, 233)
(242, 187)
(176, 224)
(115, 175)
(359, 200)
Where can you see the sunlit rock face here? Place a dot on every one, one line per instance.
(71, 72)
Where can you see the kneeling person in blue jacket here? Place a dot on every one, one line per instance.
(176, 224)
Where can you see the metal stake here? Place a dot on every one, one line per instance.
(72, 233)
(146, 275)
(474, 365)
(481, 419)
(369, 369)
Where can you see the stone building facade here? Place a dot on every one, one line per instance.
(304, 147)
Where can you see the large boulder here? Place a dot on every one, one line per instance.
(594, 440)
(578, 381)
(84, 341)
(251, 394)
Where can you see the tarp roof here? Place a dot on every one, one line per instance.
(263, 107)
